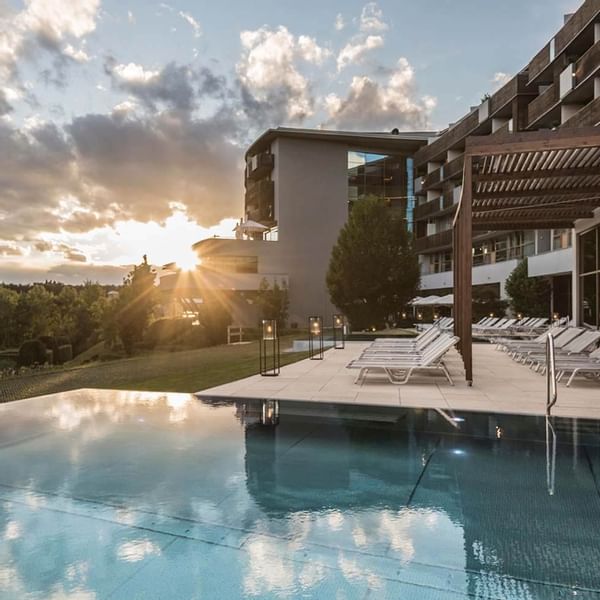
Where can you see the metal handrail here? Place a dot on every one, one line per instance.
(551, 385)
(550, 457)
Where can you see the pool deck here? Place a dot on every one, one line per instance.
(500, 385)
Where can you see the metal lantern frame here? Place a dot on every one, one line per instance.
(315, 338)
(270, 361)
(339, 339)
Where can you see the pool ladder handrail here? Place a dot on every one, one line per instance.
(551, 381)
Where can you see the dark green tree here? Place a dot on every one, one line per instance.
(134, 305)
(273, 301)
(373, 271)
(528, 295)
(8, 306)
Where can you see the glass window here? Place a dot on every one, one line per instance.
(561, 239)
(589, 280)
(589, 299)
(589, 251)
(384, 176)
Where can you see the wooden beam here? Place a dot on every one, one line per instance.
(533, 141)
(539, 174)
(509, 194)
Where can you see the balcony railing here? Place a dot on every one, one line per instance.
(575, 25)
(451, 170)
(435, 207)
(542, 104)
(589, 115)
(588, 64)
(435, 241)
(571, 29)
(539, 62)
(454, 135)
(507, 92)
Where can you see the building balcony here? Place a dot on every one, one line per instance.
(571, 30)
(260, 202)
(588, 116)
(259, 165)
(588, 64)
(542, 104)
(437, 241)
(498, 104)
(442, 205)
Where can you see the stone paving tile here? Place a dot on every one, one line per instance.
(500, 384)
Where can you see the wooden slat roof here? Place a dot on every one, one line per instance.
(535, 180)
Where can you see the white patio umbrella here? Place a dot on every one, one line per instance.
(246, 227)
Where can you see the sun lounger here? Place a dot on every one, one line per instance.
(399, 369)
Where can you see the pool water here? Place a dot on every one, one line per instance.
(126, 495)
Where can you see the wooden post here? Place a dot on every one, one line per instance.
(466, 260)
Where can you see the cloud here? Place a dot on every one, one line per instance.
(10, 250)
(54, 27)
(130, 17)
(133, 167)
(192, 22)
(174, 86)
(500, 78)
(273, 88)
(371, 18)
(355, 50)
(372, 106)
(339, 22)
(62, 249)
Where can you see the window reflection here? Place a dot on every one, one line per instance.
(384, 176)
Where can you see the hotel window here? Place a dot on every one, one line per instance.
(441, 262)
(383, 176)
(589, 276)
(561, 239)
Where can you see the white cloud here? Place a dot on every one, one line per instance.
(48, 25)
(339, 23)
(77, 54)
(500, 78)
(270, 75)
(133, 73)
(354, 51)
(371, 18)
(371, 105)
(192, 22)
(130, 17)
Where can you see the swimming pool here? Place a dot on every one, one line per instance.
(127, 495)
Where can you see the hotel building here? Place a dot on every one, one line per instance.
(300, 186)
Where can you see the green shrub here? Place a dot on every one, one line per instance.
(63, 354)
(32, 352)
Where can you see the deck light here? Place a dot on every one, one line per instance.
(491, 314)
(339, 341)
(315, 338)
(519, 316)
(556, 316)
(269, 361)
(419, 316)
(404, 315)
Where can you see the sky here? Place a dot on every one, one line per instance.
(123, 124)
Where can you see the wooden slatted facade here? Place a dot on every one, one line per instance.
(532, 180)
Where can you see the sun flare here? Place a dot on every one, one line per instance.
(187, 260)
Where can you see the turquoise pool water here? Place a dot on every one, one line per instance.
(136, 495)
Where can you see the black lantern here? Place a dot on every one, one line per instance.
(315, 338)
(269, 349)
(339, 340)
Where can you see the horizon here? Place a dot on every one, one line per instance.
(123, 127)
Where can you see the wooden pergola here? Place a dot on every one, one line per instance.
(519, 181)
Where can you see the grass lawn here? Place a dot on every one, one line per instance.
(185, 371)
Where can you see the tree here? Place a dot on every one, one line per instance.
(35, 313)
(273, 301)
(528, 295)
(134, 305)
(373, 271)
(8, 307)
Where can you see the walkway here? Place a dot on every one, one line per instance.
(500, 385)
